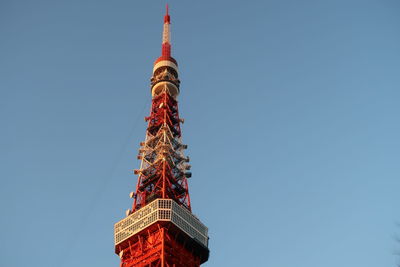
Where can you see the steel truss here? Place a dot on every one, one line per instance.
(158, 247)
(164, 168)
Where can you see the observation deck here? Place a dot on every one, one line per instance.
(164, 212)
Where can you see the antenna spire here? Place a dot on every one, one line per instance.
(167, 18)
(166, 42)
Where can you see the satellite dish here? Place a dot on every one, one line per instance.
(128, 212)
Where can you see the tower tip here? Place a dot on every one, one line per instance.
(166, 41)
(167, 18)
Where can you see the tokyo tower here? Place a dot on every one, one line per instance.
(160, 229)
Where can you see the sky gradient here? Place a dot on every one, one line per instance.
(291, 115)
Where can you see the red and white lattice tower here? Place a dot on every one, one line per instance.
(160, 229)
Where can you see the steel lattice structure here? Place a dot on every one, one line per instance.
(160, 229)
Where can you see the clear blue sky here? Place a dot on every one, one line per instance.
(291, 116)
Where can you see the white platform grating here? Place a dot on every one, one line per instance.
(161, 210)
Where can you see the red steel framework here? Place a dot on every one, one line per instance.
(160, 229)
